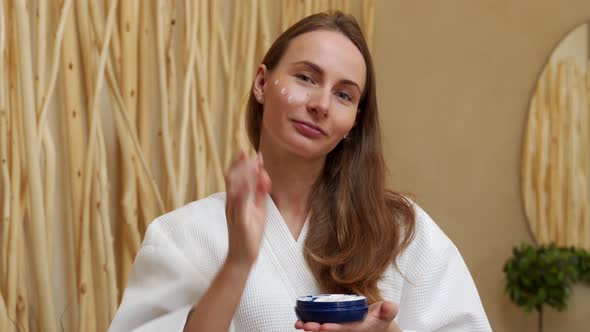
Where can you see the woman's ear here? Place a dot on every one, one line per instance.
(260, 83)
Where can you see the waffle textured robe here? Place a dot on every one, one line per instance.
(183, 250)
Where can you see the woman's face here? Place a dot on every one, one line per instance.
(311, 98)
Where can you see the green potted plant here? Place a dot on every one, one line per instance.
(544, 275)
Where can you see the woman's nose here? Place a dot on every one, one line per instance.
(319, 102)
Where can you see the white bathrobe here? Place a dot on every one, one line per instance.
(183, 250)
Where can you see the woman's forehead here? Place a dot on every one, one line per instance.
(332, 51)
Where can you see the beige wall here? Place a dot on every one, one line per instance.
(455, 78)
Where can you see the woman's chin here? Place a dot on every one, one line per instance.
(306, 149)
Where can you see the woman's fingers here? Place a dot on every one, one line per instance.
(309, 326)
(387, 311)
(262, 187)
(239, 157)
(240, 178)
(263, 183)
(382, 315)
(230, 174)
(247, 184)
(246, 181)
(260, 159)
(299, 325)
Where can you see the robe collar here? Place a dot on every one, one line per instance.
(287, 254)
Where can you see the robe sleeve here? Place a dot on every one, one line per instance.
(162, 288)
(440, 294)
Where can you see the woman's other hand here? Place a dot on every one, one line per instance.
(247, 184)
(379, 319)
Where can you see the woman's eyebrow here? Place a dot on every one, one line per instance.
(313, 66)
(320, 71)
(353, 83)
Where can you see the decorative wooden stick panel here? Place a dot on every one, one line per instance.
(112, 113)
(556, 157)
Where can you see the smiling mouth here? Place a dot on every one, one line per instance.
(311, 126)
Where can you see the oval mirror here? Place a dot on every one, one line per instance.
(556, 148)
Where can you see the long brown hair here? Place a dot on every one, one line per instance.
(357, 226)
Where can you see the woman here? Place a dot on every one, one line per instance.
(328, 225)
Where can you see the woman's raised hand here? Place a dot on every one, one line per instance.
(380, 318)
(247, 184)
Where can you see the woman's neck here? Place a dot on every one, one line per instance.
(292, 181)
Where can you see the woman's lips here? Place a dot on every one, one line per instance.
(309, 130)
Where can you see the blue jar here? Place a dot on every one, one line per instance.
(331, 308)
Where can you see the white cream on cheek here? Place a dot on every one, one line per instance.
(296, 95)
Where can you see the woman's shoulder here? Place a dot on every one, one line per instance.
(203, 216)
(428, 241)
(428, 234)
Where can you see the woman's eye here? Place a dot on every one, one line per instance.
(344, 96)
(305, 78)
